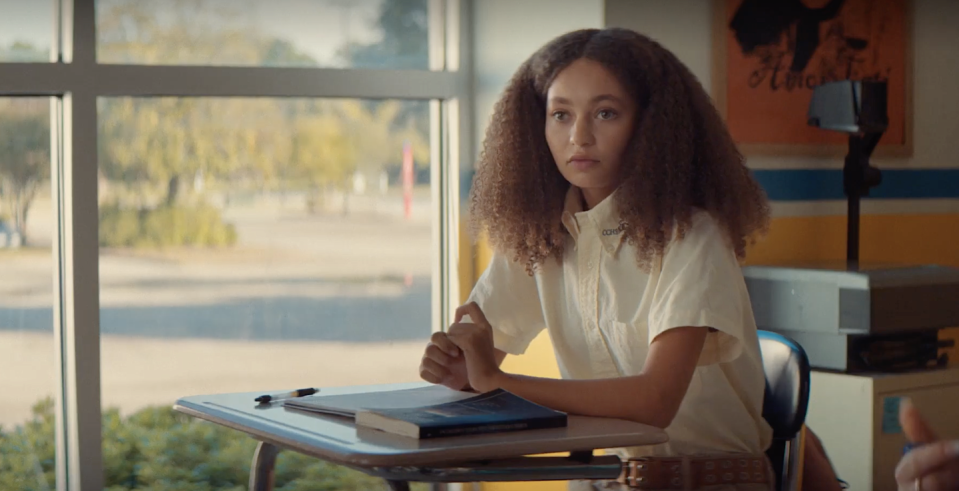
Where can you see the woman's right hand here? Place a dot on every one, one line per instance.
(931, 466)
(444, 363)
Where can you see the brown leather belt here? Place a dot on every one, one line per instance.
(674, 472)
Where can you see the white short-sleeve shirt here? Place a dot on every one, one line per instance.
(602, 312)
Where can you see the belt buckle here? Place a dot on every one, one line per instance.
(649, 473)
(638, 472)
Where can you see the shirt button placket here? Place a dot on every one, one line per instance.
(593, 280)
(588, 286)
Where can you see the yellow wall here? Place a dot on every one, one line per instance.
(923, 239)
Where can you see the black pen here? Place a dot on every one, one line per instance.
(287, 395)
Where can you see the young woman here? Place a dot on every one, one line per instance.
(619, 209)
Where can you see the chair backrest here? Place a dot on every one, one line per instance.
(787, 384)
(786, 399)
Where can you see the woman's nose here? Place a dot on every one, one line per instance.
(582, 134)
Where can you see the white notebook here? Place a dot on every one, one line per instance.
(348, 404)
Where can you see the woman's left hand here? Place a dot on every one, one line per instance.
(475, 339)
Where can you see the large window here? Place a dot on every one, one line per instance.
(27, 345)
(260, 243)
(244, 196)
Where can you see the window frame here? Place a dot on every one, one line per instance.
(75, 80)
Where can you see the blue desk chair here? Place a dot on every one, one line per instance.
(784, 404)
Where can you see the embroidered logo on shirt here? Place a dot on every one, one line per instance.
(614, 231)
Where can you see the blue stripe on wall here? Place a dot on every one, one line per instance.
(826, 184)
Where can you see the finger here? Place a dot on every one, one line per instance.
(915, 427)
(942, 479)
(433, 352)
(475, 313)
(925, 459)
(435, 368)
(460, 314)
(430, 376)
(463, 329)
(433, 372)
(458, 334)
(465, 337)
(441, 339)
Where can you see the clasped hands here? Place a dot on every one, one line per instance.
(463, 357)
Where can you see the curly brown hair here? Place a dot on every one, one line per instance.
(680, 156)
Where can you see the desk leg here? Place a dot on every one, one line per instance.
(398, 485)
(261, 472)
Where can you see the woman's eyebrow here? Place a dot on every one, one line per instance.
(599, 98)
(607, 97)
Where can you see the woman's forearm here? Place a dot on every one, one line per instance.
(652, 397)
(636, 398)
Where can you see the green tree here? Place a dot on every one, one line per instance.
(24, 51)
(24, 157)
(377, 123)
(145, 142)
(322, 155)
(152, 148)
(280, 52)
(157, 140)
(185, 32)
(188, 32)
(172, 140)
(405, 42)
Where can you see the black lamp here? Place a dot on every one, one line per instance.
(857, 108)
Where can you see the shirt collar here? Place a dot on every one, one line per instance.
(604, 218)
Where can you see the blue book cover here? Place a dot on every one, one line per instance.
(491, 412)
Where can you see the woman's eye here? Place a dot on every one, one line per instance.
(606, 114)
(559, 116)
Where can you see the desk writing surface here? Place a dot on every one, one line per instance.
(338, 440)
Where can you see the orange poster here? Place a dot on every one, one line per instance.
(777, 51)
